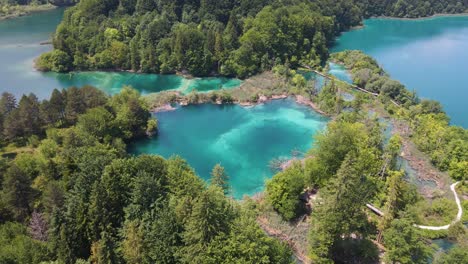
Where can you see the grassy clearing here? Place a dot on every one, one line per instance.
(438, 212)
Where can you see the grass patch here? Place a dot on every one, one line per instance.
(438, 212)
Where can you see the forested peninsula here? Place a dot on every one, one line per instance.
(15, 8)
(232, 38)
(71, 192)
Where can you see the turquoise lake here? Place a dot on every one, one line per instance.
(20, 44)
(244, 140)
(427, 55)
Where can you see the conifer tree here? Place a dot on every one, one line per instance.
(220, 178)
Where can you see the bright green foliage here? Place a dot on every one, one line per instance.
(329, 99)
(458, 232)
(210, 216)
(368, 75)
(220, 178)
(341, 212)
(446, 145)
(232, 37)
(57, 60)
(131, 113)
(152, 127)
(458, 254)
(299, 80)
(182, 179)
(132, 246)
(391, 152)
(246, 243)
(124, 116)
(331, 148)
(162, 236)
(104, 250)
(403, 244)
(17, 247)
(270, 35)
(284, 189)
(24, 120)
(394, 198)
(96, 122)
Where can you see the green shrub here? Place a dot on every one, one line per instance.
(56, 60)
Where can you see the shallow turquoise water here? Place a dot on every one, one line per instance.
(337, 70)
(340, 72)
(243, 140)
(429, 55)
(443, 244)
(20, 40)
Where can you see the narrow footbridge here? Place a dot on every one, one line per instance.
(333, 78)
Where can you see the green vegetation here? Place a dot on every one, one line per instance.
(458, 254)
(283, 191)
(70, 193)
(75, 195)
(404, 245)
(14, 8)
(220, 179)
(447, 146)
(352, 165)
(200, 37)
(438, 212)
(234, 38)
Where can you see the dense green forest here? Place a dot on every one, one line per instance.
(233, 38)
(70, 192)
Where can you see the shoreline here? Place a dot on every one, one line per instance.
(180, 74)
(28, 10)
(434, 16)
(298, 99)
(441, 15)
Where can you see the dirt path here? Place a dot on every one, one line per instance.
(459, 214)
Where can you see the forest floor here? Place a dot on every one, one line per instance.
(293, 233)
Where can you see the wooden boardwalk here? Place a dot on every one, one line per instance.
(333, 78)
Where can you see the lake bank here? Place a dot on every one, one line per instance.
(428, 55)
(25, 10)
(21, 42)
(420, 18)
(243, 139)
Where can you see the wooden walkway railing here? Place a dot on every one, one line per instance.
(349, 84)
